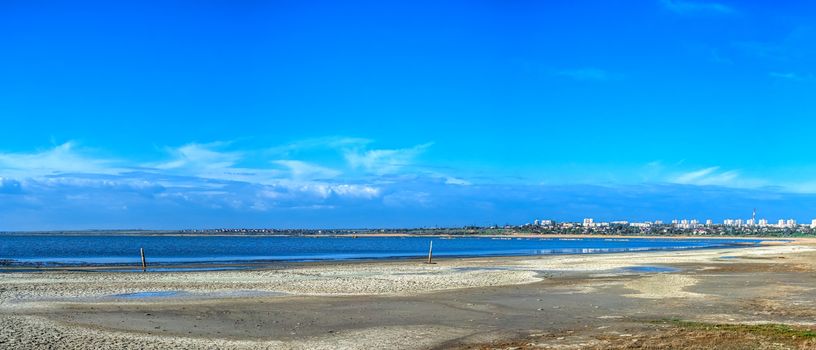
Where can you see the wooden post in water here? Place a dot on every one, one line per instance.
(430, 253)
(144, 264)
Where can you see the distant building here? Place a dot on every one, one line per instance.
(813, 223)
(790, 223)
(535, 222)
(658, 222)
(709, 222)
(781, 223)
(763, 222)
(588, 222)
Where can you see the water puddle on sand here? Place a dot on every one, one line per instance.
(148, 295)
(169, 294)
(650, 269)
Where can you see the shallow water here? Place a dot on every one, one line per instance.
(650, 269)
(63, 250)
(167, 294)
(147, 295)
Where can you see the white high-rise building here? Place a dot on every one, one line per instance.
(739, 222)
(790, 223)
(728, 222)
(813, 223)
(588, 222)
(709, 222)
(535, 222)
(763, 222)
(781, 223)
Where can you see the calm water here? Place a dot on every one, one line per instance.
(164, 250)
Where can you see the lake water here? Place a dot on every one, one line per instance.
(59, 250)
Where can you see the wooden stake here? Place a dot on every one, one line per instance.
(430, 253)
(144, 264)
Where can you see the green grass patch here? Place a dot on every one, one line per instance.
(771, 330)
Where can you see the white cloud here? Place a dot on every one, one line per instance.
(303, 191)
(713, 176)
(64, 158)
(356, 191)
(691, 7)
(304, 170)
(707, 176)
(334, 142)
(384, 161)
(200, 156)
(211, 161)
(211, 175)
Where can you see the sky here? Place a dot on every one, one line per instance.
(312, 114)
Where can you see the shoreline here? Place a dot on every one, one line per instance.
(244, 265)
(397, 234)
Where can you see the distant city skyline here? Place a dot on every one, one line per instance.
(169, 115)
(685, 223)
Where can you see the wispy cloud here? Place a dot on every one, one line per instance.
(384, 161)
(200, 156)
(63, 158)
(695, 7)
(208, 176)
(332, 142)
(305, 170)
(790, 76)
(586, 74)
(715, 176)
(707, 176)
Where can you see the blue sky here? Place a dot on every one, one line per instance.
(178, 114)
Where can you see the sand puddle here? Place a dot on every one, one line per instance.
(651, 269)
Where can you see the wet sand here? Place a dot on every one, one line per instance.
(575, 301)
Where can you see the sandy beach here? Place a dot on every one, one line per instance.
(548, 302)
